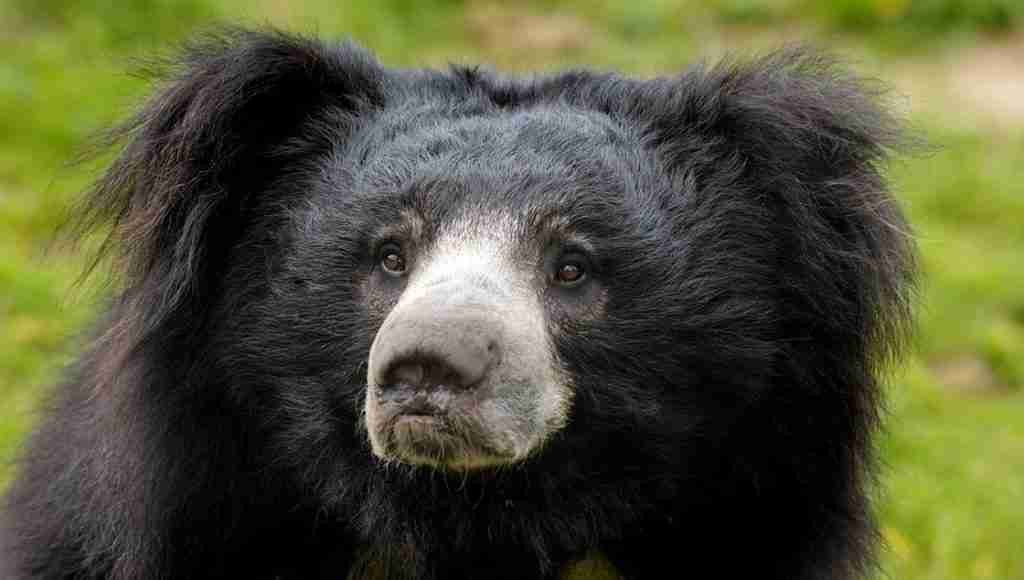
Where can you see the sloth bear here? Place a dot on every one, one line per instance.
(394, 323)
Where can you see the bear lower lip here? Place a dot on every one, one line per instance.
(418, 420)
(417, 430)
(431, 439)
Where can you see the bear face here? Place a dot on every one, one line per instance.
(470, 254)
(384, 323)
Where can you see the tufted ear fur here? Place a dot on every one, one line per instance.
(235, 110)
(806, 141)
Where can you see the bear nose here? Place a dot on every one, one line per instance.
(459, 362)
(442, 339)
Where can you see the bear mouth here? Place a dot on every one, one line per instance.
(440, 438)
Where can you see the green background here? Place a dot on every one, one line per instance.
(951, 495)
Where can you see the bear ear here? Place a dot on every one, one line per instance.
(806, 143)
(225, 120)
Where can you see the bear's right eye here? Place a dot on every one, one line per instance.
(391, 260)
(570, 270)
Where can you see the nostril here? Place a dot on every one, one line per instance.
(493, 356)
(411, 374)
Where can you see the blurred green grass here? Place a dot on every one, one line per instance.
(951, 497)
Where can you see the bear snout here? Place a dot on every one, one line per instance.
(459, 375)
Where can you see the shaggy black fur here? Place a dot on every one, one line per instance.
(758, 276)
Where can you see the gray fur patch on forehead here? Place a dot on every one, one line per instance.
(420, 143)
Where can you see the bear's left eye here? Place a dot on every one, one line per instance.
(570, 270)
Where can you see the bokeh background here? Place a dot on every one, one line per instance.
(951, 495)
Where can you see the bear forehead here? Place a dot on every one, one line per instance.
(545, 152)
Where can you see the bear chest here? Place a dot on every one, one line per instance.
(593, 566)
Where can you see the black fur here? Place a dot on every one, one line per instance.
(758, 276)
